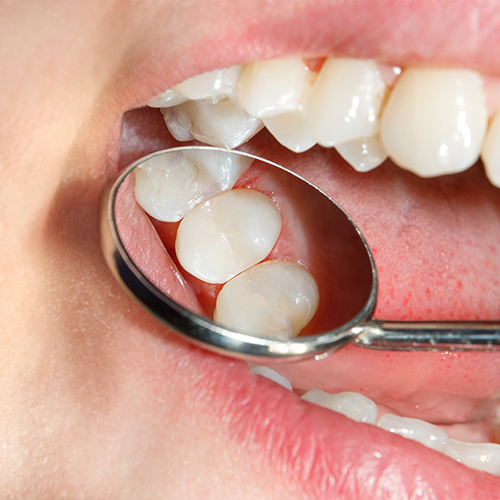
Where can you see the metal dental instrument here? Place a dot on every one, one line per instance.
(351, 289)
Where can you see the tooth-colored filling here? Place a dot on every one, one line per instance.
(168, 187)
(429, 121)
(480, 456)
(227, 234)
(275, 299)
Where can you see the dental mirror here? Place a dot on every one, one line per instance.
(244, 257)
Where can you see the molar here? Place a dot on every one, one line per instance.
(435, 120)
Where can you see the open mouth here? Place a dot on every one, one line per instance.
(429, 212)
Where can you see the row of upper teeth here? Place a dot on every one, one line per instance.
(480, 456)
(223, 237)
(428, 121)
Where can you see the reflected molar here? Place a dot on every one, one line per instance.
(274, 299)
(346, 100)
(227, 234)
(435, 121)
(167, 191)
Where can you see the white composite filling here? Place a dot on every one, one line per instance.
(429, 121)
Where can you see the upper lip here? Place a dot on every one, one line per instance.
(336, 31)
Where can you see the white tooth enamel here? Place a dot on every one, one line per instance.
(491, 151)
(269, 88)
(290, 130)
(220, 123)
(227, 234)
(351, 404)
(269, 373)
(275, 299)
(345, 101)
(211, 85)
(168, 187)
(435, 121)
(168, 98)
(480, 456)
(363, 154)
(428, 434)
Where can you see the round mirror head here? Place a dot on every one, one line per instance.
(238, 254)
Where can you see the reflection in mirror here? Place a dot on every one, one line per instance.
(243, 242)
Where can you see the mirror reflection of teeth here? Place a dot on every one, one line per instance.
(223, 236)
(427, 120)
(481, 456)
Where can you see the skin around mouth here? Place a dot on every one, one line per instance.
(98, 399)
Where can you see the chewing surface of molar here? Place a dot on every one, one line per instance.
(345, 101)
(221, 123)
(274, 299)
(227, 234)
(269, 88)
(168, 187)
(435, 121)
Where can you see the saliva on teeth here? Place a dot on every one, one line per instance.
(223, 237)
(429, 121)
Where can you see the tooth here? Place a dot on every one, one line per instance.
(275, 299)
(491, 151)
(211, 85)
(269, 88)
(220, 123)
(425, 433)
(290, 129)
(227, 234)
(351, 404)
(168, 98)
(435, 121)
(363, 154)
(345, 101)
(480, 456)
(270, 374)
(167, 188)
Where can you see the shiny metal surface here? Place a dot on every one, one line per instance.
(357, 282)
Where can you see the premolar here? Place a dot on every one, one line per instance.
(435, 121)
(227, 234)
(345, 101)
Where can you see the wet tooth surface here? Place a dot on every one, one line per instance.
(435, 120)
(269, 88)
(220, 123)
(491, 151)
(168, 98)
(274, 299)
(480, 456)
(269, 373)
(363, 154)
(168, 187)
(345, 101)
(211, 85)
(351, 404)
(428, 434)
(290, 130)
(227, 234)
